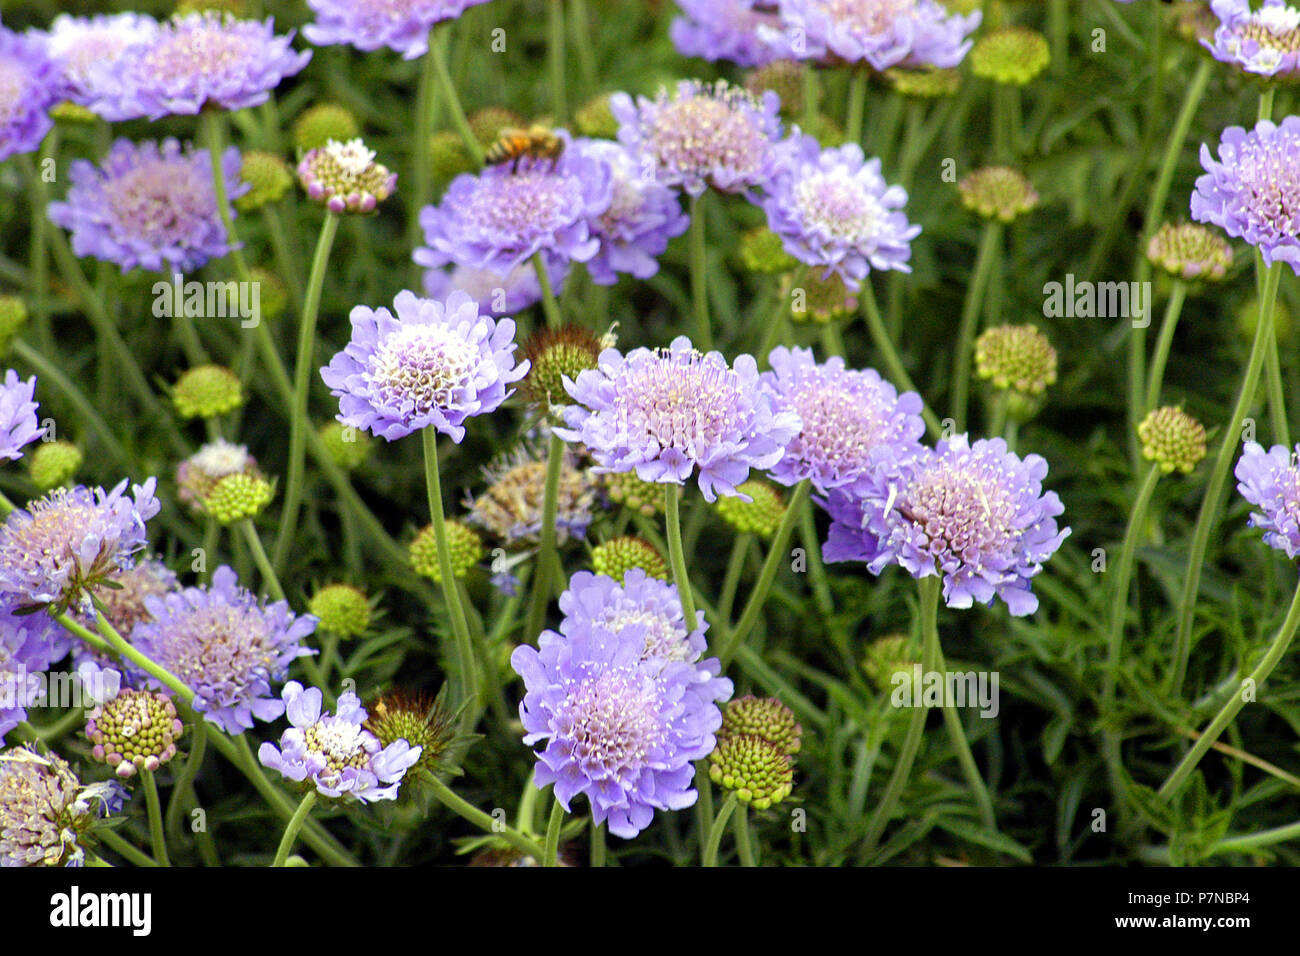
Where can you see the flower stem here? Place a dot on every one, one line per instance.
(775, 555)
(551, 855)
(857, 106)
(185, 782)
(929, 591)
(1253, 841)
(740, 829)
(554, 319)
(543, 582)
(298, 418)
(119, 845)
(699, 276)
(214, 134)
(1155, 378)
(447, 88)
(1236, 702)
(672, 521)
(555, 58)
(714, 839)
(270, 580)
(449, 799)
(154, 809)
(731, 579)
(885, 345)
(422, 168)
(582, 34)
(1214, 490)
(295, 824)
(451, 594)
(989, 248)
(597, 844)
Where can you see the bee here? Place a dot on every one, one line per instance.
(514, 144)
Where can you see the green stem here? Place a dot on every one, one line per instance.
(487, 824)
(731, 579)
(1236, 702)
(214, 134)
(965, 758)
(1155, 378)
(699, 276)
(38, 254)
(1001, 122)
(1213, 492)
(552, 848)
(554, 318)
(989, 248)
(291, 831)
(451, 594)
(714, 840)
(422, 171)
(1253, 841)
(543, 582)
(302, 376)
(672, 521)
(286, 260)
(448, 90)
(740, 829)
(154, 809)
(185, 782)
(119, 845)
(270, 580)
(598, 851)
(582, 34)
(857, 106)
(929, 591)
(555, 58)
(894, 365)
(1174, 147)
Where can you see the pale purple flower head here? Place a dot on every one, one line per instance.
(71, 540)
(975, 514)
(879, 33)
(702, 135)
(1253, 191)
(401, 25)
(434, 364)
(226, 646)
(200, 60)
(834, 211)
(496, 295)
(29, 86)
(620, 728)
(89, 51)
(663, 413)
(504, 215)
(1265, 41)
(148, 205)
(29, 644)
(334, 751)
(1270, 480)
(45, 810)
(725, 30)
(18, 423)
(846, 414)
(642, 216)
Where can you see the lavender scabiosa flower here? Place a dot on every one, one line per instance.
(725, 30)
(877, 33)
(1270, 481)
(667, 412)
(642, 216)
(18, 423)
(29, 86)
(61, 546)
(501, 217)
(619, 728)
(226, 646)
(702, 135)
(1252, 191)
(973, 513)
(89, 51)
(497, 295)
(149, 205)
(47, 815)
(846, 414)
(833, 210)
(1265, 41)
(434, 364)
(29, 644)
(197, 61)
(401, 25)
(334, 752)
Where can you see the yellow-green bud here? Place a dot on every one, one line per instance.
(69, 112)
(272, 293)
(207, 391)
(785, 78)
(1172, 439)
(761, 516)
(422, 722)
(887, 657)
(764, 717)
(13, 316)
(1190, 251)
(323, 122)
(342, 609)
(238, 496)
(1019, 362)
(448, 157)
(52, 464)
(1248, 320)
(136, 730)
(998, 192)
(489, 123)
(347, 447)
(762, 251)
(626, 489)
(1010, 55)
(268, 175)
(619, 555)
(465, 545)
(929, 82)
(754, 769)
(595, 119)
(820, 300)
(237, 8)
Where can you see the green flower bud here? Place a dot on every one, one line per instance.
(762, 251)
(753, 768)
(268, 175)
(1248, 320)
(1020, 363)
(822, 300)
(761, 516)
(1190, 251)
(925, 83)
(554, 354)
(626, 489)
(764, 717)
(272, 293)
(448, 157)
(13, 316)
(489, 123)
(72, 113)
(323, 122)
(53, 463)
(1010, 55)
(347, 447)
(619, 555)
(887, 657)
(207, 391)
(596, 120)
(1172, 439)
(785, 78)
(342, 609)
(136, 730)
(998, 192)
(466, 551)
(238, 496)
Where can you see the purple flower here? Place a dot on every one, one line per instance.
(702, 135)
(148, 205)
(974, 513)
(642, 216)
(846, 414)
(725, 30)
(45, 810)
(880, 33)
(666, 412)
(29, 644)
(89, 50)
(434, 364)
(621, 729)
(1264, 41)
(833, 209)
(501, 217)
(201, 60)
(71, 540)
(1270, 481)
(226, 646)
(334, 751)
(401, 25)
(29, 86)
(1253, 191)
(18, 424)
(496, 295)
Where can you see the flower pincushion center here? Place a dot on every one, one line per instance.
(665, 639)
(961, 507)
(702, 132)
(613, 720)
(871, 17)
(160, 200)
(687, 405)
(422, 366)
(342, 744)
(838, 205)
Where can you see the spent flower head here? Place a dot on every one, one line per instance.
(47, 815)
(511, 506)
